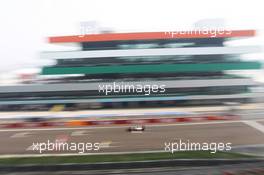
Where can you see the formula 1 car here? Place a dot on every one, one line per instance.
(136, 128)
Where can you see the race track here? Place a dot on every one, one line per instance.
(117, 139)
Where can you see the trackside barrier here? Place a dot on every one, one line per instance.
(127, 165)
(74, 123)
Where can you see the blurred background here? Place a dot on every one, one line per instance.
(55, 55)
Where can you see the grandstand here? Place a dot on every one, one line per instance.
(191, 66)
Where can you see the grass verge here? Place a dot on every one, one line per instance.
(120, 158)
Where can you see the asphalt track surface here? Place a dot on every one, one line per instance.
(117, 139)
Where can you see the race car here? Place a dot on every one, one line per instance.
(136, 128)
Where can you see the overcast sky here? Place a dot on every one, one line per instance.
(26, 23)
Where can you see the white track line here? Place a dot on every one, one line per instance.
(247, 146)
(80, 133)
(21, 135)
(255, 125)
